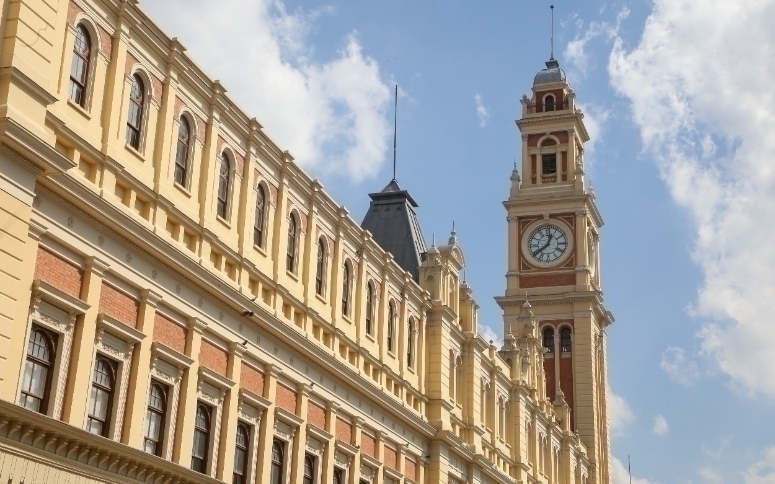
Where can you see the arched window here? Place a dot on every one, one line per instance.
(309, 469)
(201, 439)
(79, 68)
(410, 344)
(290, 260)
(346, 287)
(134, 120)
(565, 340)
(41, 348)
(459, 380)
(154, 419)
(241, 447)
(181, 155)
(549, 340)
(483, 402)
(549, 102)
(452, 380)
(501, 417)
(391, 330)
(258, 222)
(369, 308)
(278, 463)
(101, 397)
(320, 269)
(224, 180)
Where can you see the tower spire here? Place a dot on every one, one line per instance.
(395, 131)
(551, 55)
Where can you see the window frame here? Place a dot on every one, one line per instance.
(111, 394)
(347, 284)
(259, 226)
(188, 151)
(391, 327)
(88, 72)
(245, 448)
(370, 308)
(50, 340)
(223, 205)
(292, 246)
(142, 110)
(312, 460)
(162, 412)
(204, 461)
(278, 466)
(551, 160)
(566, 350)
(546, 103)
(410, 353)
(549, 350)
(320, 267)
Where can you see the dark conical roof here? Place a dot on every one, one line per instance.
(393, 223)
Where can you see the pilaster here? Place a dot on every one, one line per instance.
(230, 414)
(184, 430)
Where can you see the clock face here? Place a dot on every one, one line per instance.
(547, 243)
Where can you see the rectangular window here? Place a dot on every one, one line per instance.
(155, 416)
(549, 164)
(101, 397)
(38, 369)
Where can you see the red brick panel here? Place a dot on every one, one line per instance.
(56, 271)
(547, 281)
(551, 379)
(72, 11)
(130, 62)
(566, 385)
(410, 469)
(106, 43)
(344, 430)
(368, 445)
(169, 333)
(118, 305)
(252, 379)
(316, 415)
(286, 398)
(391, 458)
(214, 358)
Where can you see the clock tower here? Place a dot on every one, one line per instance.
(553, 262)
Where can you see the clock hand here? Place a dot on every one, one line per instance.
(542, 248)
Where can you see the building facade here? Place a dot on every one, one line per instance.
(181, 303)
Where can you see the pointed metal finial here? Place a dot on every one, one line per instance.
(551, 56)
(433, 239)
(464, 275)
(395, 132)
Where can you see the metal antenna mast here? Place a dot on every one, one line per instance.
(395, 132)
(629, 471)
(551, 56)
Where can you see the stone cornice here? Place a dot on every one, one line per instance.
(23, 432)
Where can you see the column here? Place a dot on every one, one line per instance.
(82, 354)
(264, 459)
(140, 372)
(300, 440)
(230, 414)
(184, 430)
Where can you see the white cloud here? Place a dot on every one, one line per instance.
(595, 119)
(330, 115)
(762, 472)
(622, 476)
(575, 52)
(489, 334)
(660, 425)
(481, 111)
(702, 97)
(679, 367)
(711, 475)
(620, 414)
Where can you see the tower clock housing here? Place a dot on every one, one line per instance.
(553, 260)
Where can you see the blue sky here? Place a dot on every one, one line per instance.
(678, 99)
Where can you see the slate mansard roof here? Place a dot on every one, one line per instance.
(393, 223)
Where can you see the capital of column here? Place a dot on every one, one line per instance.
(197, 325)
(150, 297)
(96, 266)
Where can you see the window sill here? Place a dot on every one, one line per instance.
(223, 221)
(371, 337)
(183, 189)
(392, 354)
(81, 110)
(347, 319)
(292, 275)
(321, 298)
(259, 249)
(135, 152)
